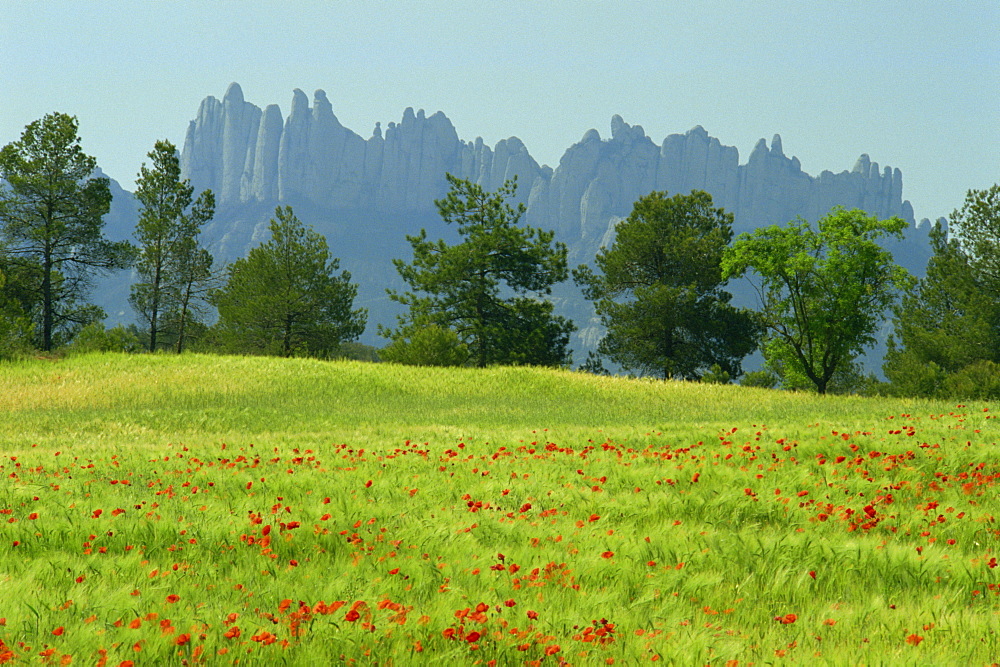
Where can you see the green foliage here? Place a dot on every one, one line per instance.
(15, 324)
(658, 290)
(355, 351)
(977, 226)
(823, 291)
(594, 365)
(980, 380)
(947, 329)
(430, 345)
(489, 288)
(95, 338)
(285, 298)
(51, 214)
(763, 378)
(174, 271)
(716, 375)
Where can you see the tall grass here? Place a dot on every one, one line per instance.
(688, 523)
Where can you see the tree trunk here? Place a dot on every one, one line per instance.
(47, 319)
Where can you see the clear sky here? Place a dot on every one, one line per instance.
(914, 83)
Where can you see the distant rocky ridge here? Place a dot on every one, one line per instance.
(248, 156)
(366, 195)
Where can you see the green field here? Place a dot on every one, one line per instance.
(204, 509)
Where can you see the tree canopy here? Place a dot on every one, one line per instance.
(51, 218)
(285, 297)
(976, 226)
(659, 291)
(946, 334)
(173, 269)
(488, 288)
(823, 290)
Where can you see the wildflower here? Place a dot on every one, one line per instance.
(914, 639)
(58, 631)
(608, 554)
(172, 598)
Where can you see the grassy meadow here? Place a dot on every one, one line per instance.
(260, 511)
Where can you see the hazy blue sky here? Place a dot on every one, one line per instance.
(914, 84)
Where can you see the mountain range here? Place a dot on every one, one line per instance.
(366, 195)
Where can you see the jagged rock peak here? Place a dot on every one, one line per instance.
(863, 165)
(234, 94)
(622, 131)
(759, 151)
(776, 145)
(300, 103)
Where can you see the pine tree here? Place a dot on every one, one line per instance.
(488, 289)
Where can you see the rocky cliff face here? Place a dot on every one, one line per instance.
(365, 195)
(251, 157)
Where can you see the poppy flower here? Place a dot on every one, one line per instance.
(172, 598)
(914, 639)
(58, 631)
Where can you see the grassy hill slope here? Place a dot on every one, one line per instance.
(165, 509)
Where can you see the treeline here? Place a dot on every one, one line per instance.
(824, 288)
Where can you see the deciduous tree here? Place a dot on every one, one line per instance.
(823, 290)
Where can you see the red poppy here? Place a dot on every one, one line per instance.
(58, 631)
(172, 598)
(914, 639)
